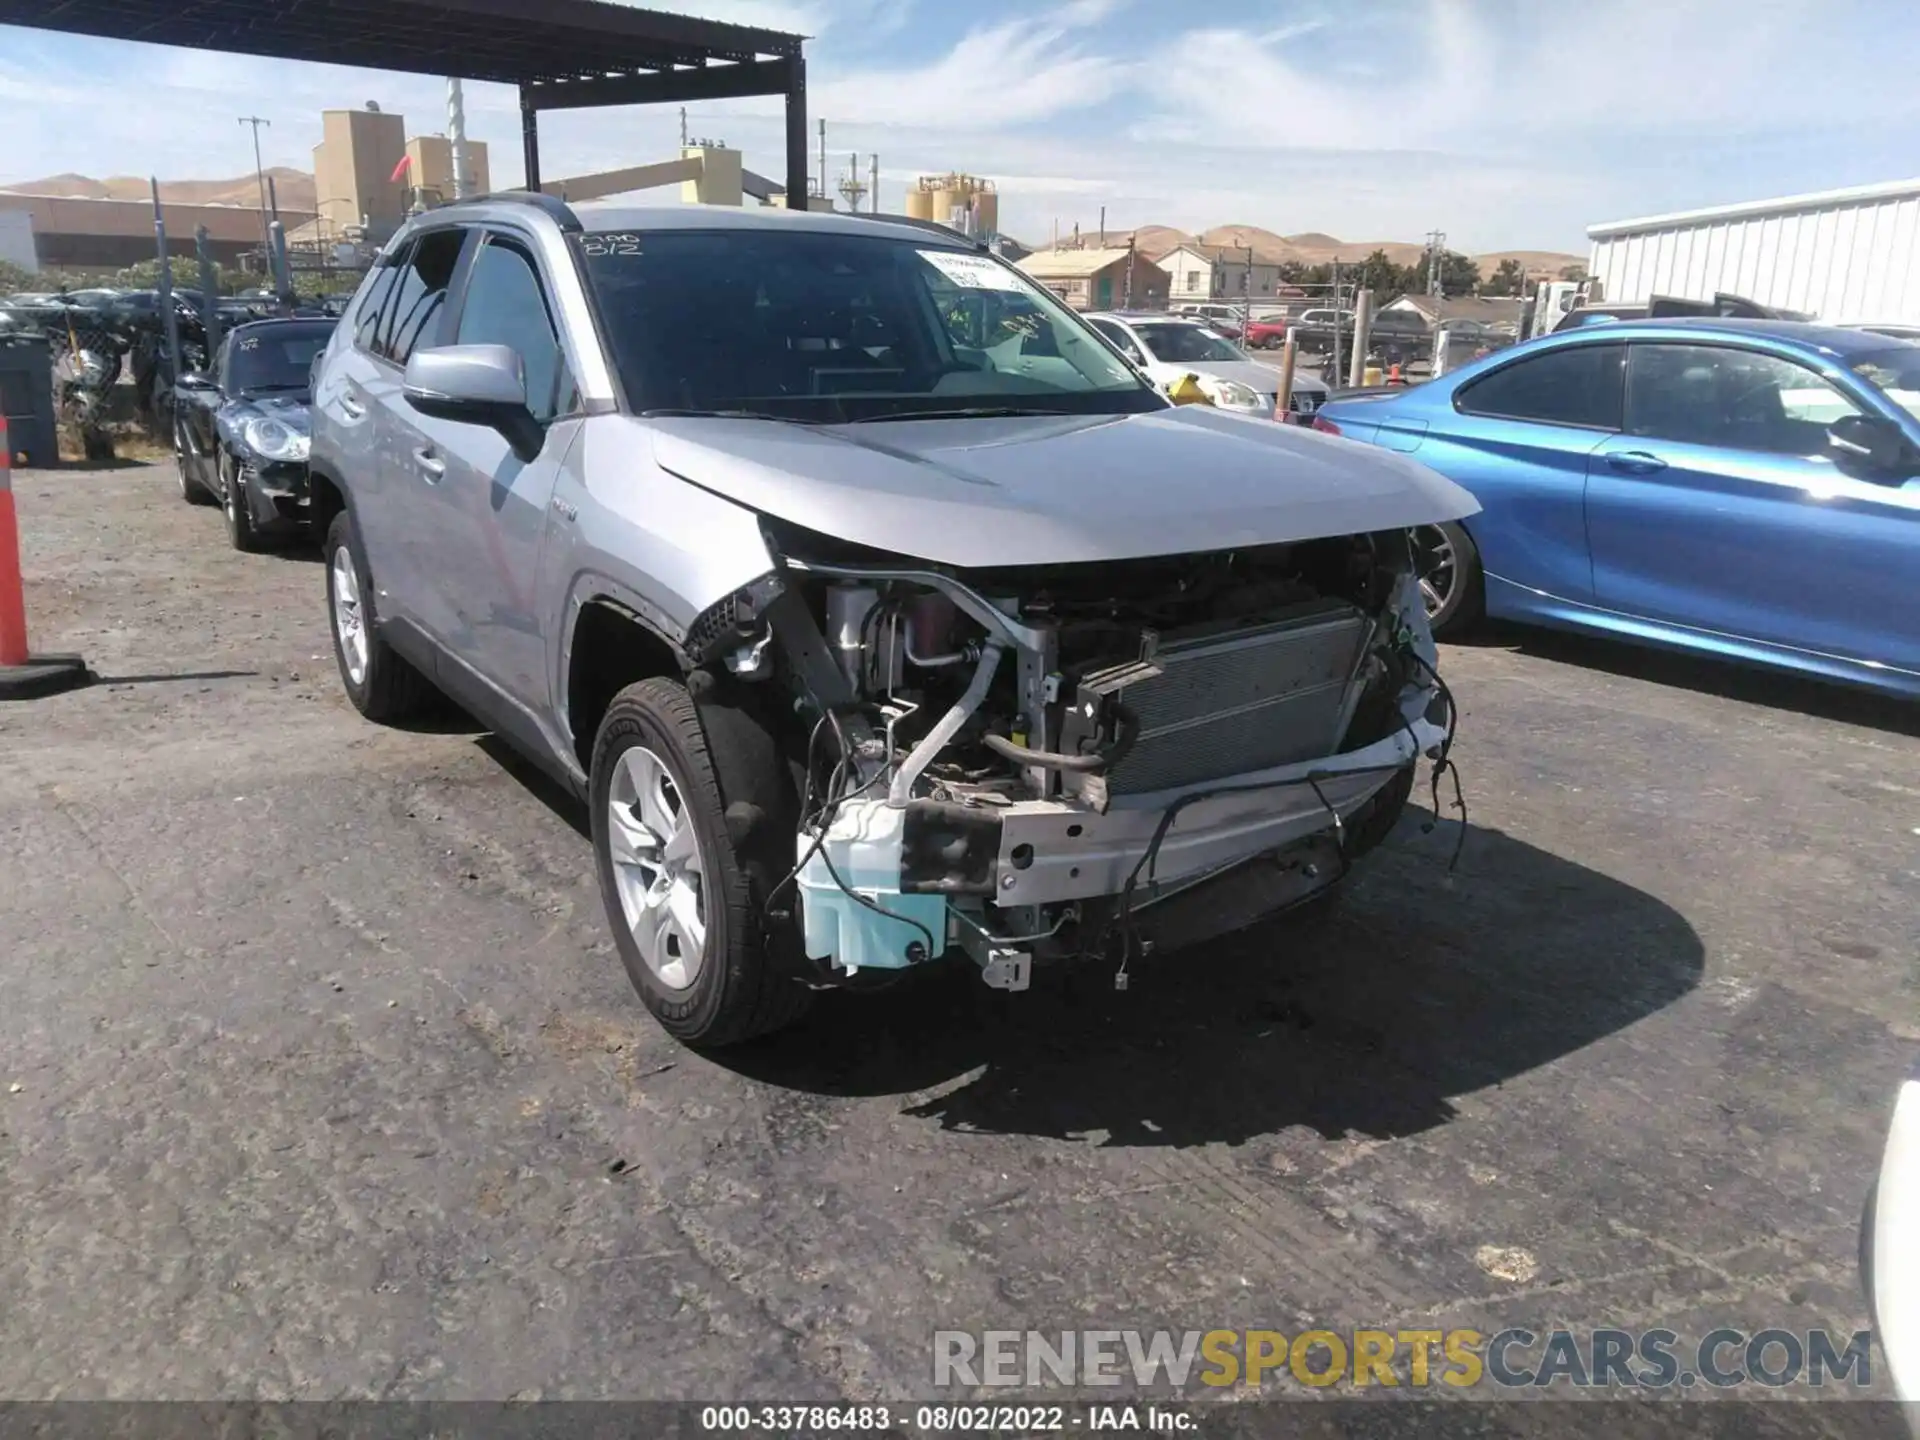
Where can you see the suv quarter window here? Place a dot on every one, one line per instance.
(506, 304)
(366, 319)
(1579, 385)
(413, 311)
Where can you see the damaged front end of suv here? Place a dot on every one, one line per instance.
(1045, 762)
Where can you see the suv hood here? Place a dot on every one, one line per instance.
(1056, 490)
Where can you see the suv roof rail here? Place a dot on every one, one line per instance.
(934, 225)
(557, 209)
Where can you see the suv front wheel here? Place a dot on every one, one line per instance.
(683, 912)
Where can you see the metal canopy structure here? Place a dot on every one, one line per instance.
(565, 55)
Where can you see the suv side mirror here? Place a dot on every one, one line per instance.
(476, 385)
(1867, 442)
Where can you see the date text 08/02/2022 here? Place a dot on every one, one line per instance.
(947, 1419)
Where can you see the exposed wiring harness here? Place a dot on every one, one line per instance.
(1443, 763)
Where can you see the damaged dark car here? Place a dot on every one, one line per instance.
(240, 431)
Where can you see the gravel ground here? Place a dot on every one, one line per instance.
(322, 1079)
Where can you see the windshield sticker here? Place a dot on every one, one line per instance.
(612, 242)
(972, 272)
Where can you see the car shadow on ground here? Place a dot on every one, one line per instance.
(1368, 1017)
(1707, 675)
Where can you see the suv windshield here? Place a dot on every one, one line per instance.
(828, 326)
(278, 357)
(1894, 373)
(1189, 344)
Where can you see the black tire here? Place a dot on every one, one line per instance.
(742, 988)
(241, 533)
(191, 490)
(1464, 601)
(389, 689)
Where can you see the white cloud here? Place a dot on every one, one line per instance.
(1504, 122)
(1014, 73)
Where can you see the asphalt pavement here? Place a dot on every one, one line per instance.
(319, 1077)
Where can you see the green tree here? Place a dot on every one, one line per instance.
(1508, 278)
(1573, 272)
(1458, 275)
(1386, 280)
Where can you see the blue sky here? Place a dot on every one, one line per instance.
(1505, 123)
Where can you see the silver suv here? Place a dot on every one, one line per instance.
(879, 610)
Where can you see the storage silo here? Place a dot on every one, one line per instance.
(965, 202)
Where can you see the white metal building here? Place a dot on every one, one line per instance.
(1845, 256)
(16, 240)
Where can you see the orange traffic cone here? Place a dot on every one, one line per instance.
(1393, 374)
(23, 675)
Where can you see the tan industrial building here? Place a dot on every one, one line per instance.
(1100, 279)
(86, 236)
(354, 175)
(353, 169)
(430, 168)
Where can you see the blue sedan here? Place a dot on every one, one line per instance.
(1744, 489)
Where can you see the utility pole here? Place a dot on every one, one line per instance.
(457, 138)
(823, 156)
(683, 127)
(1436, 247)
(260, 174)
(1246, 291)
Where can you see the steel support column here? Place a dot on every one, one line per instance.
(530, 139)
(796, 133)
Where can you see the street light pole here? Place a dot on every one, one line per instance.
(260, 174)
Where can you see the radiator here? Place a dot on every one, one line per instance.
(1223, 703)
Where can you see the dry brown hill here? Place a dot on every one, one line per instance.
(293, 188)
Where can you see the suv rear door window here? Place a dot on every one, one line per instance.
(1576, 385)
(419, 293)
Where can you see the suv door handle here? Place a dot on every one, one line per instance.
(353, 408)
(431, 465)
(1635, 462)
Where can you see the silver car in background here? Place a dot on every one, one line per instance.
(879, 610)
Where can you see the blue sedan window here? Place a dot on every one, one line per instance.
(1730, 398)
(1574, 385)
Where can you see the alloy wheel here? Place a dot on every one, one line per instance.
(1439, 567)
(658, 870)
(349, 618)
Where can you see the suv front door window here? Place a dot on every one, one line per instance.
(494, 508)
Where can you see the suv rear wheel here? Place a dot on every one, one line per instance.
(676, 886)
(381, 685)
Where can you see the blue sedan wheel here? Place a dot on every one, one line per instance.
(1451, 581)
